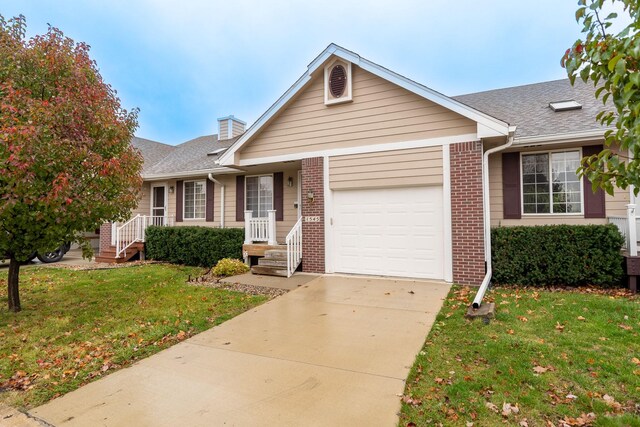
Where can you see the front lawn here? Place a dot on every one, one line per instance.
(77, 326)
(561, 358)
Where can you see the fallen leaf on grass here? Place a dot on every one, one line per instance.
(491, 407)
(508, 409)
(523, 319)
(523, 423)
(611, 402)
(625, 327)
(411, 401)
(581, 318)
(583, 420)
(510, 332)
(559, 327)
(635, 361)
(540, 369)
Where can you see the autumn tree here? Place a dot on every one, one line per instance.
(66, 161)
(611, 63)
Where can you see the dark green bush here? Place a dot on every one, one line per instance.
(197, 246)
(569, 255)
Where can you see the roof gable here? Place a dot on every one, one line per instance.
(486, 125)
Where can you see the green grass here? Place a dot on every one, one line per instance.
(585, 346)
(77, 326)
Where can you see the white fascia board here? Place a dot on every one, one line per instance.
(375, 148)
(560, 138)
(187, 174)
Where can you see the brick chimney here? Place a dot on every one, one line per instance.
(230, 127)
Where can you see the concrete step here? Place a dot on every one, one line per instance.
(269, 271)
(282, 263)
(278, 254)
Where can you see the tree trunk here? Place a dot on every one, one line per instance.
(12, 285)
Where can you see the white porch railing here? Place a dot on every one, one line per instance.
(294, 247)
(260, 229)
(133, 231)
(629, 228)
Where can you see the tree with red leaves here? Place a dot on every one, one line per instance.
(66, 161)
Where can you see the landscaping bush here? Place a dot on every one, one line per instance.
(230, 267)
(197, 246)
(569, 255)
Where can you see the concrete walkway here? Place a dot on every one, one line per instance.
(335, 351)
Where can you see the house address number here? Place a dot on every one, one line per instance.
(311, 219)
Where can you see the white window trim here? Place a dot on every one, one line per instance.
(273, 188)
(184, 200)
(561, 214)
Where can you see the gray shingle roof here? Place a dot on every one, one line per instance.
(527, 107)
(189, 156)
(152, 151)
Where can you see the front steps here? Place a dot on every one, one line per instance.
(109, 255)
(274, 263)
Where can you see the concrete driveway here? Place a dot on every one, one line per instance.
(333, 352)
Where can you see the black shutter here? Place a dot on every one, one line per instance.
(209, 203)
(594, 204)
(240, 198)
(179, 189)
(511, 186)
(278, 195)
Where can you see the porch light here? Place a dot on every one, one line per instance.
(310, 196)
(171, 189)
(290, 181)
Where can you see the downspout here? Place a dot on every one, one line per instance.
(212, 179)
(486, 204)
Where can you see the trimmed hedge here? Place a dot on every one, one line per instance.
(568, 255)
(197, 246)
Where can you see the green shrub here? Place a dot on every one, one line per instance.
(197, 246)
(570, 255)
(230, 267)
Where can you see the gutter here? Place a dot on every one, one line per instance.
(222, 187)
(477, 301)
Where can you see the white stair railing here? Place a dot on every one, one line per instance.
(260, 229)
(133, 231)
(294, 247)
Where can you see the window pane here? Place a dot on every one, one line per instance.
(259, 195)
(194, 199)
(535, 179)
(566, 184)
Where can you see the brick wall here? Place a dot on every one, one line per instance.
(466, 212)
(313, 232)
(105, 236)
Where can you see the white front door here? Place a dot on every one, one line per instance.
(158, 204)
(389, 232)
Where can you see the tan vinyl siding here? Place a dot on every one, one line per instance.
(615, 205)
(237, 129)
(381, 112)
(398, 168)
(282, 227)
(144, 204)
(224, 130)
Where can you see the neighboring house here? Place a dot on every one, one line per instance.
(376, 174)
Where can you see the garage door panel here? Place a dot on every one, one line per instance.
(392, 232)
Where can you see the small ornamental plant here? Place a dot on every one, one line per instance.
(230, 267)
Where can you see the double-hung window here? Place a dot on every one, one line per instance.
(259, 195)
(550, 184)
(195, 199)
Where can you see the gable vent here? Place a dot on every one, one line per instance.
(338, 81)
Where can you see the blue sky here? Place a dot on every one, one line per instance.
(186, 63)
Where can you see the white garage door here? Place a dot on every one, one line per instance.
(389, 232)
